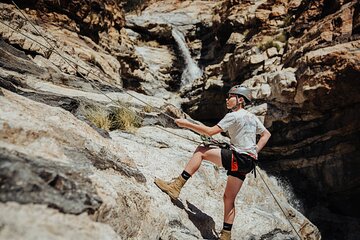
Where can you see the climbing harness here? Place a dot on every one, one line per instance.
(209, 142)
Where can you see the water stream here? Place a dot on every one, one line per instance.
(191, 71)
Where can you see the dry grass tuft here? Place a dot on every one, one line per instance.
(98, 116)
(148, 109)
(120, 117)
(125, 118)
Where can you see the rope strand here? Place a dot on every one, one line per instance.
(277, 202)
(88, 71)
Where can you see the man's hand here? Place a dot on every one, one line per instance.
(182, 122)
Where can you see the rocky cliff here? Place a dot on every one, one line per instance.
(64, 176)
(301, 58)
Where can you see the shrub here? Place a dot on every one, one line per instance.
(287, 20)
(268, 44)
(246, 32)
(281, 37)
(131, 5)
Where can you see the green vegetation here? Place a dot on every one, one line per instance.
(287, 20)
(132, 5)
(281, 37)
(246, 32)
(268, 44)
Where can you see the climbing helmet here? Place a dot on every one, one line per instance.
(242, 91)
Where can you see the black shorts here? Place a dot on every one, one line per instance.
(245, 163)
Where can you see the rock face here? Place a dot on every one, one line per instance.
(51, 158)
(300, 58)
(87, 17)
(59, 226)
(26, 182)
(42, 164)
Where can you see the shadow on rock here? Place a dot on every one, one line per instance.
(202, 221)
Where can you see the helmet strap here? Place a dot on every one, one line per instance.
(237, 104)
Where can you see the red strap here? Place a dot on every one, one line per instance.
(234, 164)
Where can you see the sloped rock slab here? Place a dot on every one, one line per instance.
(105, 160)
(16, 60)
(27, 180)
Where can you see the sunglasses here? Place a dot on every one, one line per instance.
(230, 96)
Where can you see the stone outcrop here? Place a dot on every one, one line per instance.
(54, 159)
(299, 57)
(87, 17)
(51, 158)
(61, 168)
(71, 54)
(47, 223)
(34, 181)
(311, 101)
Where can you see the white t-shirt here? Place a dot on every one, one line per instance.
(242, 127)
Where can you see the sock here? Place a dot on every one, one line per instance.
(227, 226)
(185, 175)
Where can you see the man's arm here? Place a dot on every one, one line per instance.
(265, 135)
(201, 129)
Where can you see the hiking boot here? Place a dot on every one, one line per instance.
(225, 235)
(172, 188)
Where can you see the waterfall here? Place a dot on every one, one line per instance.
(192, 71)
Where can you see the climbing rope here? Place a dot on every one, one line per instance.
(53, 48)
(277, 202)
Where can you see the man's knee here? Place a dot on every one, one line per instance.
(228, 197)
(202, 151)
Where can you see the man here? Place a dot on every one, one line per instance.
(242, 127)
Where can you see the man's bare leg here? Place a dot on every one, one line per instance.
(203, 153)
